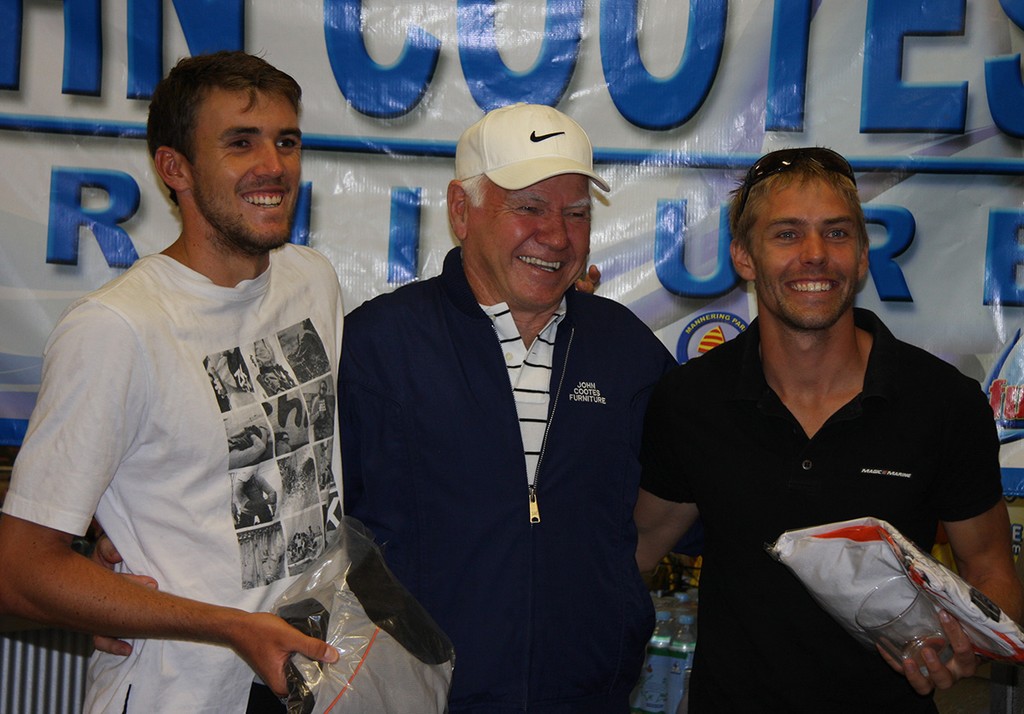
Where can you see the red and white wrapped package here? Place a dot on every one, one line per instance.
(840, 563)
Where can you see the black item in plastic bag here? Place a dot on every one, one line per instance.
(394, 657)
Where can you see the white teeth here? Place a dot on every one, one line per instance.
(545, 264)
(264, 200)
(813, 287)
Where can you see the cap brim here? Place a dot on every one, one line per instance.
(516, 176)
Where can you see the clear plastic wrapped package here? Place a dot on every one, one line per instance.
(841, 563)
(394, 657)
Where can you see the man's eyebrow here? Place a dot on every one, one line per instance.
(838, 219)
(795, 221)
(235, 131)
(531, 195)
(527, 194)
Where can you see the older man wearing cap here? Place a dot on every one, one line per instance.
(490, 425)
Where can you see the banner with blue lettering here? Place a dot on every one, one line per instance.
(925, 98)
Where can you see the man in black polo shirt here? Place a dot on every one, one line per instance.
(815, 414)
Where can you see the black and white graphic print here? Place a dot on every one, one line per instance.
(262, 553)
(320, 402)
(255, 495)
(298, 481)
(277, 399)
(250, 439)
(271, 375)
(306, 541)
(332, 511)
(304, 351)
(230, 379)
(289, 420)
(322, 452)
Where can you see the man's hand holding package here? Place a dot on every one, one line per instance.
(940, 676)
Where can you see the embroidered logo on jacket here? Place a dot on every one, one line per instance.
(886, 472)
(587, 392)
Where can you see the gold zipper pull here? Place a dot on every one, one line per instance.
(534, 508)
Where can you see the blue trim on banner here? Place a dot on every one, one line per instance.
(60, 125)
(12, 431)
(17, 405)
(446, 149)
(1013, 481)
(21, 370)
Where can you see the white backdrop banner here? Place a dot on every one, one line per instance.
(925, 99)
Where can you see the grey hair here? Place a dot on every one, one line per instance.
(474, 186)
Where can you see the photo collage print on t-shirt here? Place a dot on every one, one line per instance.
(278, 402)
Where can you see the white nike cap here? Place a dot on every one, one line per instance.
(518, 145)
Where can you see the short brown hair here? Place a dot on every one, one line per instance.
(172, 110)
(743, 214)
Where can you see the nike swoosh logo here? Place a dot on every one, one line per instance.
(534, 138)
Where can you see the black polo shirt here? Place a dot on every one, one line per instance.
(918, 445)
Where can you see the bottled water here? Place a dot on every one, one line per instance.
(684, 602)
(651, 693)
(681, 648)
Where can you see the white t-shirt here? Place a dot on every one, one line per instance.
(179, 412)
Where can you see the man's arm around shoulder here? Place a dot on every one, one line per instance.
(44, 580)
(659, 524)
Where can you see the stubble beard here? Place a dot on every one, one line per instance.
(232, 233)
(813, 321)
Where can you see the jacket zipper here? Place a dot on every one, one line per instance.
(532, 488)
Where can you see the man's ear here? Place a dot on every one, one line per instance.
(173, 169)
(741, 261)
(458, 208)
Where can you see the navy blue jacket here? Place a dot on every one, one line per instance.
(547, 617)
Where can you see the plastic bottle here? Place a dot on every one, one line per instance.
(650, 696)
(685, 602)
(681, 648)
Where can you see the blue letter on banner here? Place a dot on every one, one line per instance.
(491, 82)
(887, 102)
(669, 243)
(1003, 258)
(303, 212)
(371, 88)
(404, 238)
(660, 102)
(67, 215)
(1003, 81)
(208, 26)
(145, 47)
(11, 17)
(900, 227)
(83, 47)
(787, 70)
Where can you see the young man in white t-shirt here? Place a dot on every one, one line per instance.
(148, 383)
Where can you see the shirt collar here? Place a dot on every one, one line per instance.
(880, 377)
(505, 325)
(456, 286)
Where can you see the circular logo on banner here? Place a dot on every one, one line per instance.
(707, 331)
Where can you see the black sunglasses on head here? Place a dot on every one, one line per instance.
(778, 162)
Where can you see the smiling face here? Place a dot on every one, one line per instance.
(244, 178)
(806, 257)
(524, 247)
